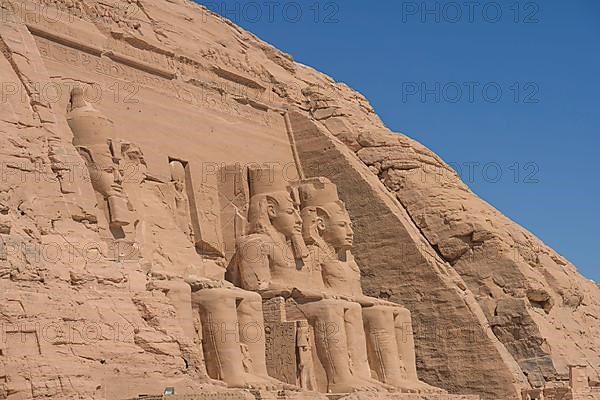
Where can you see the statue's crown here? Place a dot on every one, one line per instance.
(266, 179)
(317, 192)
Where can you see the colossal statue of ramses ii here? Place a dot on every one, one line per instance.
(388, 329)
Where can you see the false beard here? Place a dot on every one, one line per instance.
(299, 246)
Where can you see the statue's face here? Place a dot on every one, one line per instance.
(337, 229)
(284, 216)
(179, 186)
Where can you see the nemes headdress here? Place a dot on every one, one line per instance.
(317, 194)
(266, 184)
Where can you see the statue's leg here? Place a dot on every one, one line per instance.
(327, 319)
(252, 329)
(405, 341)
(383, 350)
(357, 347)
(180, 295)
(357, 341)
(220, 331)
(188, 335)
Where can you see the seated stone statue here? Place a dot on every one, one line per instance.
(273, 260)
(329, 236)
(229, 325)
(233, 334)
(229, 319)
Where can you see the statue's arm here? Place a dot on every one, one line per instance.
(250, 268)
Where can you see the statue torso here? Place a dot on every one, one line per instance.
(285, 271)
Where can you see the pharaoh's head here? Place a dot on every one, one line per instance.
(334, 225)
(283, 213)
(272, 207)
(324, 216)
(177, 174)
(271, 203)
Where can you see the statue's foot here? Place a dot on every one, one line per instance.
(215, 382)
(280, 385)
(265, 383)
(406, 386)
(425, 388)
(237, 382)
(382, 387)
(356, 385)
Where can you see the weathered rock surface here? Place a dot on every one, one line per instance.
(536, 303)
(494, 309)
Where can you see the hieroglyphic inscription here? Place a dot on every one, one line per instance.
(281, 351)
(102, 65)
(130, 73)
(204, 395)
(73, 26)
(135, 78)
(77, 22)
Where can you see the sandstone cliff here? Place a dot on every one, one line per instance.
(494, 309)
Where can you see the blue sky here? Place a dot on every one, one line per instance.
(507, 92)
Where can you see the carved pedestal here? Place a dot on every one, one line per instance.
(288, 346)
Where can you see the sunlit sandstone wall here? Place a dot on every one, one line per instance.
(220, 91)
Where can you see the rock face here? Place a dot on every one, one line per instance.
(128, 130)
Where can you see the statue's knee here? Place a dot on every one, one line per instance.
(249, 297)
(374, 312)
(353, 307)
(402, 314)
(324, 311)
(212, 299)
(179, 286)
(250, 307)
